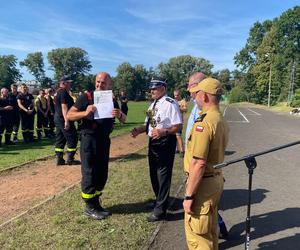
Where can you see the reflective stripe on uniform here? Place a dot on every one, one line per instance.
(90, 196)
(71, 149)
(59, 150)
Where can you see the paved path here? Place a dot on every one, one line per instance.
(275, 210)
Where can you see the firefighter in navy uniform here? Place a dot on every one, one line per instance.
(26, 105)
(6, 110)
(163, 121)
(94, 148)
(66, 132)
(16, 114)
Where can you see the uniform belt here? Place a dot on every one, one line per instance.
(206, 176)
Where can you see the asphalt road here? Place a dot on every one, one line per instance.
(275, 209)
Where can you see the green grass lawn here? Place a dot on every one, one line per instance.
(20, 153)
(61, 224)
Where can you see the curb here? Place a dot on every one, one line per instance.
(155, 233)
(44, 158)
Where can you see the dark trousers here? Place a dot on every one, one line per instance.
(51, 124)
(7, 126)
(161, 158)
(64, 137)
(27, 124)
(16, 122)
(94, 154)
(41, 123)
(124, 109)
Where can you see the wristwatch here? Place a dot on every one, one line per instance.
(189, 197)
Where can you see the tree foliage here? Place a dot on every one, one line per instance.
(270, 55)
(34, 62)
(8, 70)
(178, 69)
(132, 79)
(69, 61)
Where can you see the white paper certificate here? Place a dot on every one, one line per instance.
(104, 104)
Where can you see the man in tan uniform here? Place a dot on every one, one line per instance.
(205, 148)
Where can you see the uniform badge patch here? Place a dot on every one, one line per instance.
(199, 128)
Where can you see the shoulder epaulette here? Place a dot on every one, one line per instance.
(169, 100)
(200, 118)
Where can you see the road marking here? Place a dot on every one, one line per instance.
(238, 121)
(243, 116)
(245, 119)
(254, 112)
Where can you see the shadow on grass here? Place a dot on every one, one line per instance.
(19, 146)
(131, 208)
(144, 206)
(129, 157)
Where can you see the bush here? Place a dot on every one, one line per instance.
(237, 95)
(296, 99)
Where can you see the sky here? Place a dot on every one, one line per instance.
(134, 31)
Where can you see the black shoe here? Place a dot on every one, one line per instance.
(60, 162)
(94, 213)
(151, 205)
(9, 143)
(104, 211)
(73, 162)
(181, 154)
(152, 217)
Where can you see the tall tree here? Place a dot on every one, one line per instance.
(224, 76)
(125, 79)
(69, 61)
(271, 58)
(34, 62)
(247, 56)
(178, 69)
(8, 70)
(141, 79)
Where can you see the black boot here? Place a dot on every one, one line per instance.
(39, 135)
(25, 137)
(15, 139)
(71, 160)
(7, 140)
(60, 159)
(30, 137)
(94, 210)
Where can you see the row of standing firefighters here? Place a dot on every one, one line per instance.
(21, 107)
